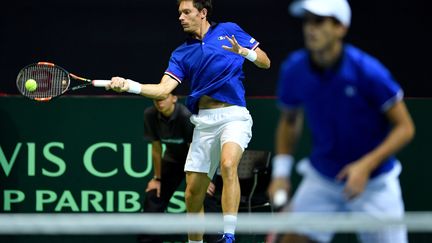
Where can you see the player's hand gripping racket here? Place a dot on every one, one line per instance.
(51, 81)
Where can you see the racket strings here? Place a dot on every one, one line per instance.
(51, 81)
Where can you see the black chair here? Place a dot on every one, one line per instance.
(254, 176)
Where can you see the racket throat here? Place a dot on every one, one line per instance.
(78, 87)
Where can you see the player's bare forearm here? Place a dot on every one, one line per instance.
(160, 90)
(153, 91)
(262, 61)
(402, 133)
(288, 131)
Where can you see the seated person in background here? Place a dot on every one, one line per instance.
(166, 122)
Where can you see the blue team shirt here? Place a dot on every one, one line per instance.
(211, 70)
(344, 106)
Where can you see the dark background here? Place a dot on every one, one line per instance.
(134, 38)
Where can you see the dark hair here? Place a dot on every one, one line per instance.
(200, 5)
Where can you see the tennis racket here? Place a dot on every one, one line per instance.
(51, 81)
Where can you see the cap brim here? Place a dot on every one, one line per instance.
(296, 8)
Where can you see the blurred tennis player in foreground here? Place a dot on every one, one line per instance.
(358, 121)
(211, 59)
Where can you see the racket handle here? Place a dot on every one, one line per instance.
(100, 83)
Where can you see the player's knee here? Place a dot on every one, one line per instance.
(192, 191)
(228, 169)
(195, 190)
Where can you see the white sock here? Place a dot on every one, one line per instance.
(230, 223)
(195, 241)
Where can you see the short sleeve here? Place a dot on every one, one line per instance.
(383, 90)
(243, 38)
(175, 69)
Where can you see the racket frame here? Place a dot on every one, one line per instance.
(87, 82)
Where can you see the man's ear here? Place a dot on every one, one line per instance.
(342, 31)
(203, 13)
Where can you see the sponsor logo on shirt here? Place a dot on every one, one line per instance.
(221, 38)
(350, 91)
(173, 140)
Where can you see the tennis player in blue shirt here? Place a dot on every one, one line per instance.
(211, 59)
(358, 121)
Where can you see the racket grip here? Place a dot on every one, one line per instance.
(100, 83)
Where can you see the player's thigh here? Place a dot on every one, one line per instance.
(390, 235)
(238, 131)
(204, 149)
(382, 198)
(315, 195)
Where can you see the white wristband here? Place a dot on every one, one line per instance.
(134, 87)
(282, 164)
(251, 56)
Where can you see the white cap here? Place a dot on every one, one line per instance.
(339, 9)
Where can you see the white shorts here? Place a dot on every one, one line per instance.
(382, 195)
(213, 128)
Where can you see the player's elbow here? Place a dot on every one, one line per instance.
(161, 96)
(410, 131)
(162, 92)
(165, 87)
(265, 64)
(263, 61)
(407, 131)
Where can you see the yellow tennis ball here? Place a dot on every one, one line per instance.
(31, 85)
